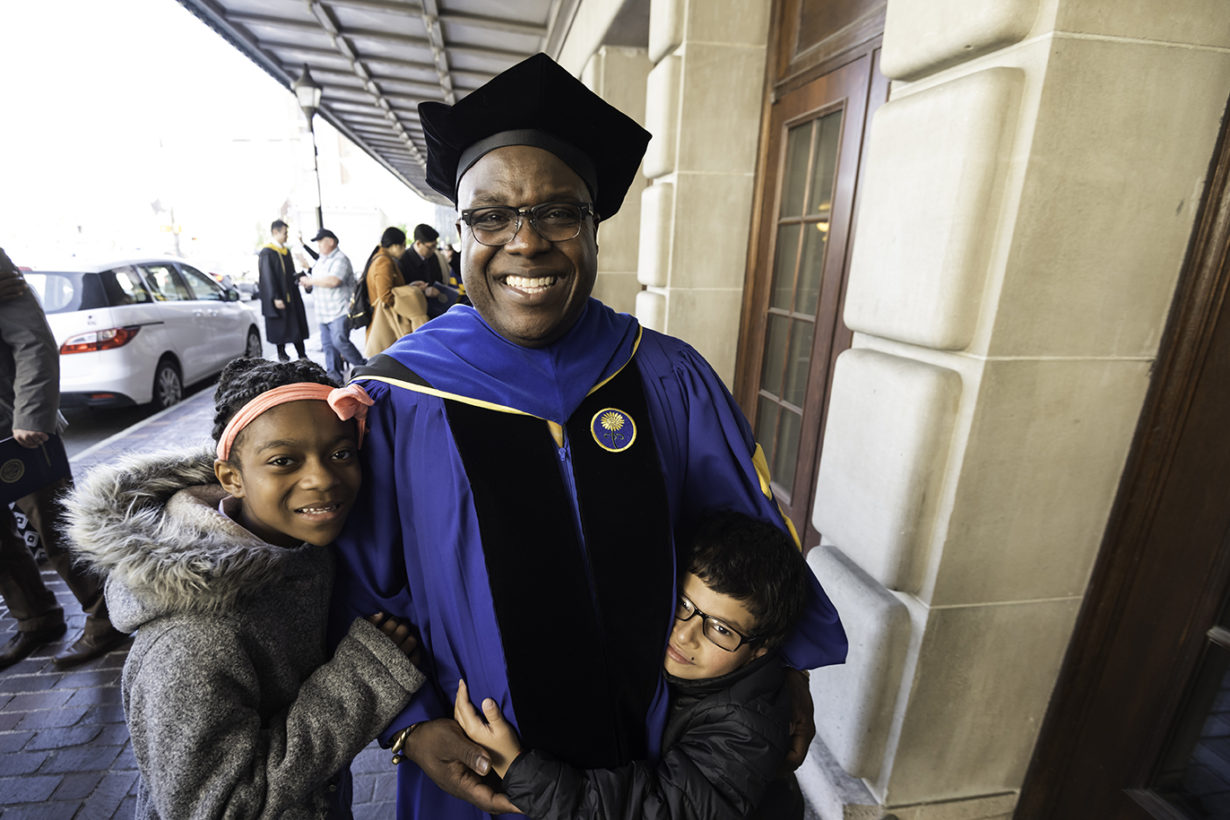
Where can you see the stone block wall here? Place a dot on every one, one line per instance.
(1029, 193)
(618, 75)
(703, 106)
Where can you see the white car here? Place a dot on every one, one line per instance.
(137, 331)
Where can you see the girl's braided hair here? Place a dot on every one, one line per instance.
(245, 379)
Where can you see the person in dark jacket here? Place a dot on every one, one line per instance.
(727, 734)
(281, 304)
(425, 267)
(29, 412)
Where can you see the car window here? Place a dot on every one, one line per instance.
(202, 286)
(60, 292)
(123, 286)
(166, 284)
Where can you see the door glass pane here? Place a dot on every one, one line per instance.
(794, 175)
(799, 363)
(796, 288)
(786, 453)
(202, 286)
(825, 170)
(819, 213)
(766, 426)
(59, 292)
(787, 252)
(811, 270)
(1200, 787)
(166, 284)
(1195, 772)
(124, 286)
(774, 354)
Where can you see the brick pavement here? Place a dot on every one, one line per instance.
(64, 749)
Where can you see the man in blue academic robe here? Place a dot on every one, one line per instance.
(532, 461)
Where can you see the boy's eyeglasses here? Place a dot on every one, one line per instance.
(718, 632)
(554, 221)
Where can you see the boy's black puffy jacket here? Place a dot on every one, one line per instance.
(722, 751)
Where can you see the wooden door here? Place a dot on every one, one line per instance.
(1139, 725)
(792, 329)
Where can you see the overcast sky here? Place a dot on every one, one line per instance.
(109, 107)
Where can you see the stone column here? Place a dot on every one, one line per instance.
(1030, 189)
(618, 75)
(703, 107)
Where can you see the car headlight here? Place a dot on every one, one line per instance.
(98, 340)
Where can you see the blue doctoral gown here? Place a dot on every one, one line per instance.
(414, 543)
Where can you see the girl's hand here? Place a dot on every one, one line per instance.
(496, 735)
(402, 633)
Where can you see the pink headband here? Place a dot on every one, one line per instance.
(349, 402)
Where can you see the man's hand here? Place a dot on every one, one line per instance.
(402, 633)
(496, 735)
(279, 304)
(456, 764)
(802, 718)
(29, 438)
(12, 285)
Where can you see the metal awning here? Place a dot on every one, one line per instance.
(378, 59)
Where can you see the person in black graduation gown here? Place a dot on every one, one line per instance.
(281, 304)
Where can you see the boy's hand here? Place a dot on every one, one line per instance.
(497, 735)
(802, 718)
(401, 633)
(456, 764)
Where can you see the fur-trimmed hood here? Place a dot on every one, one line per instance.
(151, 524)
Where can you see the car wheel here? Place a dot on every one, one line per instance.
(168, 386)
(253, 349)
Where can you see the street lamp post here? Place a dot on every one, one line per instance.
(308, 92)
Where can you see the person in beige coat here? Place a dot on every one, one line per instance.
(397, 308)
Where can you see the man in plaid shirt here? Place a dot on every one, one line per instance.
(333, 281)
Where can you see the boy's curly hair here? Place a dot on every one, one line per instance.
(756, 563)
(244, 379)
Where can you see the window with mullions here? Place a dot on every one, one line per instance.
(802, 231)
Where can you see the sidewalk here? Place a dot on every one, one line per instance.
(64, 747)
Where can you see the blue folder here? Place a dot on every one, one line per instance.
(24, 470)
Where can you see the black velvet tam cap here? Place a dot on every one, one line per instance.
(538, 103)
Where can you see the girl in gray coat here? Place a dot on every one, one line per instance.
(220, 561)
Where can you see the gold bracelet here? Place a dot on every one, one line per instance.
(399, 743)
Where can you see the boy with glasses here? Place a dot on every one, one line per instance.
(726, 737)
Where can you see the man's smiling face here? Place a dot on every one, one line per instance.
(531, 291)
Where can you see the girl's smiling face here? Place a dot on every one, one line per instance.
(296, 471)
